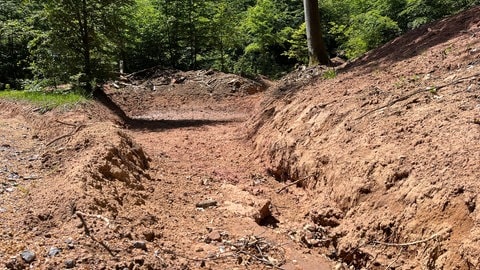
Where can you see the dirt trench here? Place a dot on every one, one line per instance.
(80, 191)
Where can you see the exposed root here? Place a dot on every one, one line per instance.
(293, 183)
(434, 236)
(77, 128)
(81, 216)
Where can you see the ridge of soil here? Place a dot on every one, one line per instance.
(389, 150)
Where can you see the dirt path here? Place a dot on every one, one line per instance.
(138, 216)
(214, 163)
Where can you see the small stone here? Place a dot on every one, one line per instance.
(70, 243)
(140, 245)
(70, 264)
(28, 256)
(213, 236)
(54, 251)
(206, 204)
(263, 211)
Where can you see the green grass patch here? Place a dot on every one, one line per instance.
(329, 74)
(45, 100)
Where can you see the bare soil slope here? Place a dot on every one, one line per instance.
(389, 150)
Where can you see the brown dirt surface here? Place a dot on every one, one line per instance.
(389, 150)
(376, 168)
(179, 189)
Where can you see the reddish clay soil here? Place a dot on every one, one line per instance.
(178, 189)
(389, 150)
(377, 168)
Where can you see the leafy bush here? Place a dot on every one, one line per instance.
(365, 31)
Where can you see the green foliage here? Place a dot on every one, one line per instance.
(365, 31)
(329, 74)
(418, 12)
(14, 36)
(52, 42)
(266, 29)
(298, 45)
(81, 37)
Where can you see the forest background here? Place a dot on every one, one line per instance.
(45, 43)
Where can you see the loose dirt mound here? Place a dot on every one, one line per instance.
(391, 148)
(83, 189)
(164, 90)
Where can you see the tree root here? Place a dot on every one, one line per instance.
(82, 216)
(77, 128)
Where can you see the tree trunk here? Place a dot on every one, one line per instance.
(316, 48)
(87, 66)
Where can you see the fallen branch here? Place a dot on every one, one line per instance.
(65, 123)
(81, 216)
(434, 88)
(66, 135)
(248, 249)
(141, 71)
(434, 236)
(292, 183)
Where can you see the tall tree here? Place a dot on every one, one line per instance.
(83, 36)
(316, 48)
(15, 34)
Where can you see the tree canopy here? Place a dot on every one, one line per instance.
(82, 42)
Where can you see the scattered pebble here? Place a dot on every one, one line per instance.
(70, 264)
(206, 204)
(54, 251)
(28, 256)
(140, 245)
(70, 243)
(214, 236)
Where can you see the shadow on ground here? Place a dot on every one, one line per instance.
(152, 125)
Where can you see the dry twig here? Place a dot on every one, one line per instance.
(247, 250)
(390, 265)
(434, 236)
(81, 216)
(77, 128)
(292, 183)
(254, 248)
